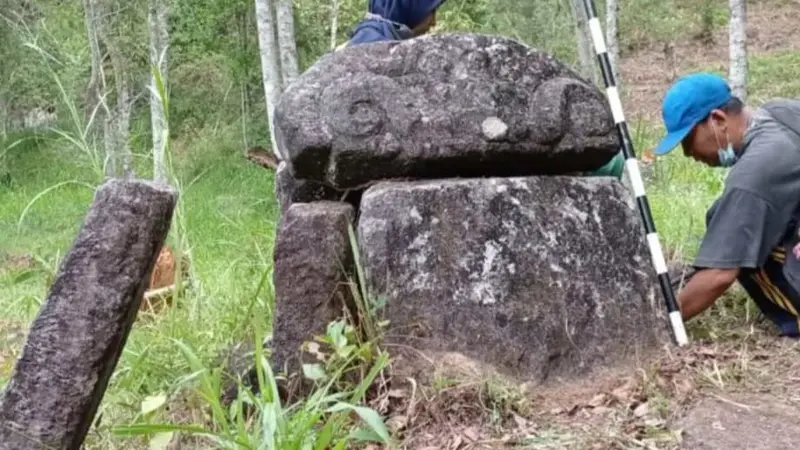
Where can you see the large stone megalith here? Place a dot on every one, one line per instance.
(441, 106)
(474, 222)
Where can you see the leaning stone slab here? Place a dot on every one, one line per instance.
(76, 340)
(447, 105)
(313, 260)
(538, 276)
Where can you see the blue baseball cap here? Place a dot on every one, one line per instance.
(687, 102)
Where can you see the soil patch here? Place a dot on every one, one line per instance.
(742, 422)
(671, 400)
(11, 262)
(12, 339)
(648, 72)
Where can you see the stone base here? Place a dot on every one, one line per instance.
(538, 276)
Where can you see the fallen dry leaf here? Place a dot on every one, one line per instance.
(641, 410)
(601, 410)
(471, 433)
(520, 421)
(574, 409)
(397, 393)
(705, 351)
(654, 423)
(396, 423)
(625, 393)
(598, 400)
(683, 387)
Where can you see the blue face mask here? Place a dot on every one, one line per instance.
(727, 157)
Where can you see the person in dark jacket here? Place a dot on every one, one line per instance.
(395, 20)
(752, 228)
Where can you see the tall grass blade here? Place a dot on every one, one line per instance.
(45, 192)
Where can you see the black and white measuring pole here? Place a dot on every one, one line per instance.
(632, 168)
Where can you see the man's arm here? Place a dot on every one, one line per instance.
(703, 289)
(741, 228)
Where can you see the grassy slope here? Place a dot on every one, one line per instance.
(229, 214)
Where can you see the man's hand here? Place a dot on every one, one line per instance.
(703, 289)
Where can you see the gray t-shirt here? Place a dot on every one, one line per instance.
(760, 203)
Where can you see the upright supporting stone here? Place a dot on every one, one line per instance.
(313, 259)
(78, 337)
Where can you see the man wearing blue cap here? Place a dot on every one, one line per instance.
(395, 20)
(752, 228)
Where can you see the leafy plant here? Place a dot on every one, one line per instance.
(321, 421)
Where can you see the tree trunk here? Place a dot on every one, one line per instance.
(334, 22)
(117, 121)
(287, 42)
(738, 48)
(588, 68)
(270, 64)
(243, 27)
(612, 37)
(159, 41)
(94, 91)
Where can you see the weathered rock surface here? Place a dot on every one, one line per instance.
(744, 422)
(78, 336)
(448, 105)
(313, 260)
(538, 276)
(290, 190)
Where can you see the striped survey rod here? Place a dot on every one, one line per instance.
(632, 168)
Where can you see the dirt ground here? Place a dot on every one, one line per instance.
(743, 422)
(648, 72)
(738, 393)
(12, 336)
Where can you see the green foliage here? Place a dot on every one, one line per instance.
(769, 75)
(260, 421)
(214, 58)
(680, 192)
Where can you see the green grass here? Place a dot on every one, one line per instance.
(774, 75)
(229, 213)
(769, 75)
(679, 191)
